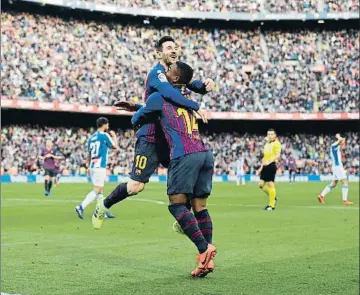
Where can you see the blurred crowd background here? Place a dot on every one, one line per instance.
(78, 59)
(249, 6)
(21, 146)
(47, 58)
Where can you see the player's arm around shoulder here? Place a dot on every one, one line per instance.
(202, 87)
(152, 106)
(157, 79)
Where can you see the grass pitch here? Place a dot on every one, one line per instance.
(300, 248)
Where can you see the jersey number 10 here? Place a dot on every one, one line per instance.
(190, 123)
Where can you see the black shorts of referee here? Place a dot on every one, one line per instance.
(268, 172)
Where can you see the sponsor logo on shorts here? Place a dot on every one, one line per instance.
(137, 172)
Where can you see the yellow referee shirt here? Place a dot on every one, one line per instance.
(270, 151)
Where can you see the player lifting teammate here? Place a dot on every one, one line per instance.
(267, 170)
(151, 148)
(190, 170)
(338, 172)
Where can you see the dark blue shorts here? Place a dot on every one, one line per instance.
(148, 155)
(51, 172)
(191, 175)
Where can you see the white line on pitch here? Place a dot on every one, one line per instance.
(46, 201)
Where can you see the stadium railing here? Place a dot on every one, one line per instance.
(93, 109)
(226, 16)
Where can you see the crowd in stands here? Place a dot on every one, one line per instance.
(21, 145)
(249, 6)
(79, 61)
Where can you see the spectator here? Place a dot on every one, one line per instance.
(46, 58)
(311, 152)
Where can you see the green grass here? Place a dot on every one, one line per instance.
(301, 248)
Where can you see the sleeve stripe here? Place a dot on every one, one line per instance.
(110, 139)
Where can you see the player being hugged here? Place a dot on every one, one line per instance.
(98, 145)
(151, 148)
(338, 172)
(49, 155)
(190, 170)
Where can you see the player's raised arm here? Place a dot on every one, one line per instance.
(339, 140)
(201, 87)
(112, 141)
(149, 111)
(158, 80)
(124, 105)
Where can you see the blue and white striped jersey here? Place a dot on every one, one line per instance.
(98, 145)
(240, 165)
(335, 152)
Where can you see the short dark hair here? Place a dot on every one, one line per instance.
(186, 72)
(159, 43)
(101, 122)
(272, 129)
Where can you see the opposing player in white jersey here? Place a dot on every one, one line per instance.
(240, 174)
(98, 145)
(338, 172)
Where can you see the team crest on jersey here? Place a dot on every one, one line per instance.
(137, 172)
(161, 76)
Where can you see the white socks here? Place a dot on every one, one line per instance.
(344, 192)
(326, 190)
(90, 197)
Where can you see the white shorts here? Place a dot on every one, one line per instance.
(338, 173)
(240, 174)
(98, 176)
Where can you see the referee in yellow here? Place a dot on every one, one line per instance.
(267, 171)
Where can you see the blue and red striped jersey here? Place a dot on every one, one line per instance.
(157, 82)
(178, 124)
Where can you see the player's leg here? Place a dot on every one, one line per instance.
(269, 178)
(327, 190)
(262, 183)
(57, 179)
(46, 181)
(182, 176)
(242, 178)
(50, 181)
(97, 176)
(290, 172)
(345, 192)
(202, 190)
(144, 165)
(294, 175)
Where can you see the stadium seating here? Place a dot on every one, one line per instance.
(45, 58)
(274, 6)
(21, 144)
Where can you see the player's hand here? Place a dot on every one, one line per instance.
(88, 172)
(112, 133)
(257, 172)
(203, 115)
(185, 92)
(209, 84)
(125, 105)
